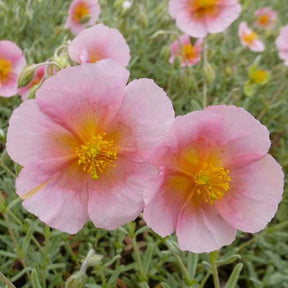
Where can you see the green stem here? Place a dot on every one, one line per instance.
(138, 258)
(6, 281)
(213, 257)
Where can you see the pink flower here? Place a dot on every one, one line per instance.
(11, 63)
(39, 75)
(188, 53)
(266, 18)
(282, 44)
(99, 42)
(82, 13)
(249, 38)
(215, 177)
(197, 18)
(84, 140)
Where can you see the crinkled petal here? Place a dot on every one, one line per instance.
(34, 137)
(118, 197)
(86, 95)
(203, 230)
(256, 191)
(53, 198)
(243, 138)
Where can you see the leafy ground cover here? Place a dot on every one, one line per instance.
(34, 255)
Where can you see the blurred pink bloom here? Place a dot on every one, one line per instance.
(84, 140)
(82, 13)
(249, 38)
(188, 53)
(282, 44)
(266, 17)
(197, 18)
(39, 75)
(99, 42)
(11, 63)
(215, 177)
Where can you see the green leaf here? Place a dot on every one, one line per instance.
(233, 279)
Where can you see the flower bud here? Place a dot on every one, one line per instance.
(209, 73)
(26, 76)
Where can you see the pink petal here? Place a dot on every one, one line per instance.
(85, 95)
(243, 138)
(256, 191)
(118, 197)
(154, 114)
(100, 42)
(9, 88)
(57, 203)
(33, 137)
(203, 230)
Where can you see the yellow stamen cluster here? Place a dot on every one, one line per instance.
(212, 183)
(189, 52)
(198, 4)
(81, 11)
(260, 76)
(5, 69)
(264, 19)
(96, 155)
(250, 38)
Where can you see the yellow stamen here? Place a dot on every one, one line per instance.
(198, 4)
(264, 19)
(250, 38)
(5, 69)
(189, 52)
(259, 76)
(212, 183)
(80, 11)
(96, 155)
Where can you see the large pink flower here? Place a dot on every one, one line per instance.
(215, 177)
(266, 18)
(189, 54)
(84, 140)
(197, 18)
(249, 38)
(82, 13)
(99, 42)
(282, 44)
(11, 63)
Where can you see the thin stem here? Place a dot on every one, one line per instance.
(213, 258)
(137, 256)
(6, 281)
(202, 285)
(205, 56)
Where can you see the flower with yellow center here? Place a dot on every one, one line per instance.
(5, 69)
(250, 37)
(190, 52)
(264, 19)
(203, 8)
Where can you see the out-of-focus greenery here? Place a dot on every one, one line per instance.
(33, 255)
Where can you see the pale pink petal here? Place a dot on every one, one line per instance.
(57, 202)
(176, 6)
(9, 88)
(100, 42)
(33, 137)
(282, 45)
(228, 14)
(118, 197)
(255, 193)
(162, 208)
(203, 229)
(243, 138)
(85, 95)
(153, 117)
(257, 46)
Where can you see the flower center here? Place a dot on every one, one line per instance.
(264, 19)
(260, 76)
(211, 183)
(81, 11)
(202, 8)
(189, 52)
(96, 155)
(204, 3)
(250, 38)
(5, 68)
